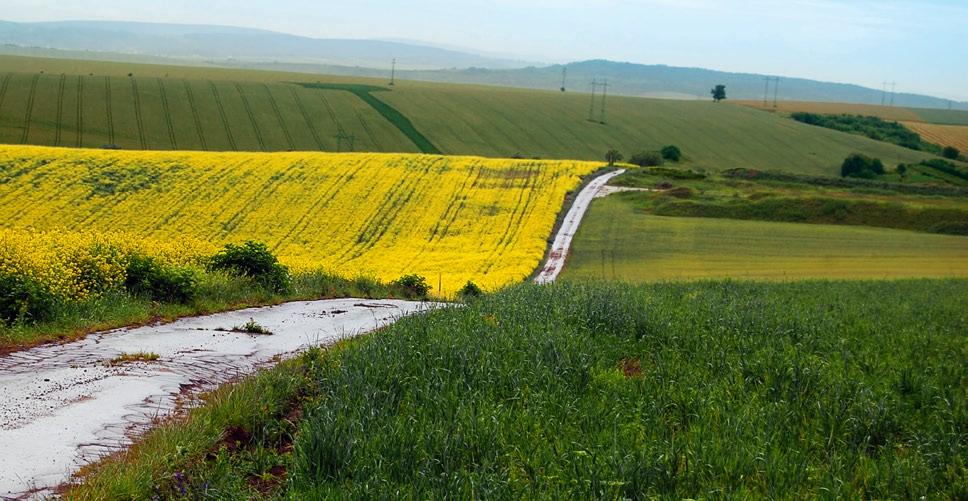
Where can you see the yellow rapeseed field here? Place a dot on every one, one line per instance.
(448, 218)
(74, 265)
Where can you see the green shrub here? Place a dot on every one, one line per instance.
(671, 153)
(951, 153)
(646, 159)
(470, 290)
(414, 286)
(147, 277)
(861, 166)
(23, 300)
(255, 260)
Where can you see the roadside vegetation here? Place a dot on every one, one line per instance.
(596, 391)
(59, 286)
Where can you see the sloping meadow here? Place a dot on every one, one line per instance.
(450, 219)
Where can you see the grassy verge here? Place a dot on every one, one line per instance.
(715, 389)
(216, 292)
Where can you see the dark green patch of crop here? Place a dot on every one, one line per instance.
(399, 120)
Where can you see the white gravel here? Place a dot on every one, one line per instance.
(559, 249)
(63, 406)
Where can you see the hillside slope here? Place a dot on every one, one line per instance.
(94, 104)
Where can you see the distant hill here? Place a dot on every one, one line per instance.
(258, 49)
(222, 42)
(658, 81)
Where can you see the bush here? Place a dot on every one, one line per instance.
(671, 153)
(146, 277)
(646, 159)
(862, 166)
(951, 153)
(470, 290)
(414, 286)
(23, 300)
(613, 156)
(255, 260)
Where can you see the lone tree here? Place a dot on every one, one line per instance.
(719, 93)
(862, 166)
(612, 156)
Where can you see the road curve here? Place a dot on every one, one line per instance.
(64, 406)
(559, 249)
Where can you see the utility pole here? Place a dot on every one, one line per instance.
(776, 90)
(393, 72)
(604, 92)
(591, 107)
(766, 91)
(564, 75)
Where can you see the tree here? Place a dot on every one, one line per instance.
(612, 156)
(863, 166)
(671, 153)
(902, 170)
(646, 159)
(951, 153)
(719, 93)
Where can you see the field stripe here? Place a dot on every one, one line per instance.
(60, 110)
(252, 120)
(107, 99)
(366, 128)
(195, 117)
(282, 122)
(167, 112)
(221, 112)
(30, 108)
(80, 110)
(307, 118)
(137, 113)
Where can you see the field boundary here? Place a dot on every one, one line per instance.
(394, 116)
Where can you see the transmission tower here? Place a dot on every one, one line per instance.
(883, 93)
(604, 93)
(393, 72)
(776, 90)
(766, 90)
(564, 76)
(349, 139)
(893, 87)
(591, 107)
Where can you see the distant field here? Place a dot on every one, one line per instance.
(615, 242)
(945, 135)
(943, 117)
(450, 219)
(93, 104)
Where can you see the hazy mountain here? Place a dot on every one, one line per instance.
(221, 42)
(259, 49)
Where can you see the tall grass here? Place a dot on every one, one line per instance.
(701, 390)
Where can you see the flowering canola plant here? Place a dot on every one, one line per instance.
(449, 218)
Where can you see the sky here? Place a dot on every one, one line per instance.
(921, 45)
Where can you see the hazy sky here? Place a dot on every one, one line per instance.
(922, 45)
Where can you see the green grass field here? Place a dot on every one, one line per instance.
(79, 103)
(841, 390)
(616, 242)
